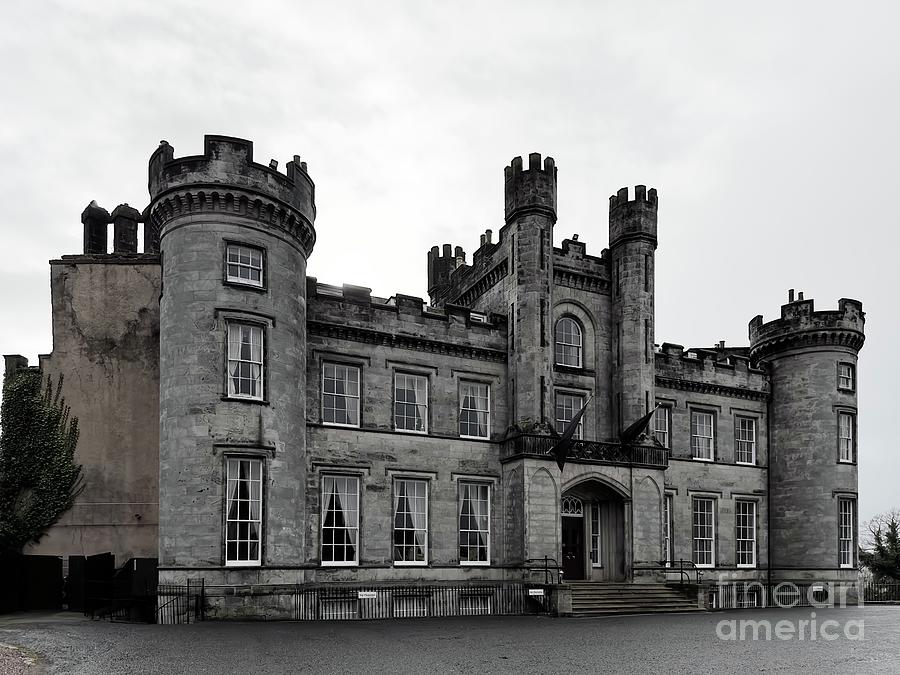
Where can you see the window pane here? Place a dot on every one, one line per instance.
(410, 402)
(245, 360)
(567, 406)
(410, 521)
(243, 511)
(568, 342)
(244, 265)
(703, 532)
(474, 523)
(340, 394)
(474, 410)
(340, 519)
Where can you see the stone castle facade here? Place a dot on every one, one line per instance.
(308, 433)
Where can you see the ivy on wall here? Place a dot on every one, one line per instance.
(39, 479)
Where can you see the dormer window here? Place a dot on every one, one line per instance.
(568, 339)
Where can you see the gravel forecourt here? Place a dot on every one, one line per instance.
(686, 643)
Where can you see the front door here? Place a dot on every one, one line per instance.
(572, 540)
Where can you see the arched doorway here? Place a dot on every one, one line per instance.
(593, 533)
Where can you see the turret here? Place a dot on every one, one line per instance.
(234, 237)
(530, 209)
(441, 265)
(632, 243)
(811, 358)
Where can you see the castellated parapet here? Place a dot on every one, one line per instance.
(531, 190)
(801, 326)
(633, 219)
(226, 179)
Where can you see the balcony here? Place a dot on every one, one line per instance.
(585, 452)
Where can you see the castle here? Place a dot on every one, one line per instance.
(308, 433)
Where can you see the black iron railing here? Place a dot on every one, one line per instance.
(599, 452)
(687, 570)
(181, 603)
(549, 567)
(750, 594)
(884, 593)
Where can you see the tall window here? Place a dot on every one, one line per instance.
(846, 532)
(702, 439)
(243, 512)
(846, 376)
(568, 342)
(340, 520)
(411, 402)
(846, 440)
(244, 265)
(661, 425)
(245, 361)
(745, 440)
(745, 533)
(474, 524)
(410, 522)
(474, 410)
(704, 528)
(567, 406)
(668, 551)
(595, 535)
(340, 394)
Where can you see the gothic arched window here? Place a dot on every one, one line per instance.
(568, 340)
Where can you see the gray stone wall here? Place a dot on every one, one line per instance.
(105, 345)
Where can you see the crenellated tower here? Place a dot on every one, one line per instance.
(234, 237)
(530, 210)
(811, 357)
(632, 243)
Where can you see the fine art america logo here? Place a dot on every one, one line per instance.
(784, 595)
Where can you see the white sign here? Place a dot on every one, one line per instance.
(535, 591)
(366, 595)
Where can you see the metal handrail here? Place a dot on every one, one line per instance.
(670, 566)
(546, 568)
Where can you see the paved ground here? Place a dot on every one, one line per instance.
(685, 643)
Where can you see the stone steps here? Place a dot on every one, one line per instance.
(598, 599)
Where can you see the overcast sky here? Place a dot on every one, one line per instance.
(770, 130)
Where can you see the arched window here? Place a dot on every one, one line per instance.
(572, 507)
(568, 342)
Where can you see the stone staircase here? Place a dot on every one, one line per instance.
(598, 599)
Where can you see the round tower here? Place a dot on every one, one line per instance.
(234, 238)
(530, 210)
(811, 361)
(632, 244)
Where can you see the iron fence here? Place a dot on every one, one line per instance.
(758, 594)
(419, 601)
(881, 593)
(181, 603)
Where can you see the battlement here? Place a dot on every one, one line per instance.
(531, 190)
(801, 325)
(441, 265)
(226, 178)
(631, 219)
(400, 304)
(720, 367)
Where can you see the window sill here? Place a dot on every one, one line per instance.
(746, 567)
(847, 567)
(845, 390)
(340, 426)
(244, 286)
(339, 564)
(846, 461)
(704, 567)
(243, 564)
(242, 399)
(746, 463)
(475, 438)
(411, 431)
(400, 563)
(702, 459)
(474, 563)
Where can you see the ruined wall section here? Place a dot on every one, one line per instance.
(106, 347)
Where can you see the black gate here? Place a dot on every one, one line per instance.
(30, 582)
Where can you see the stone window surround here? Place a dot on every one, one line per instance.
(410, 371)
(850, 411)
(252, 455)
(474, 380)
(851, 498)
(714, 498)
(238, 318)
(577, 322)
(714, 413)
(410, 477)
(852, 388)
(755, 502)
(261, 287)
(350, 362)
(755, 441)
